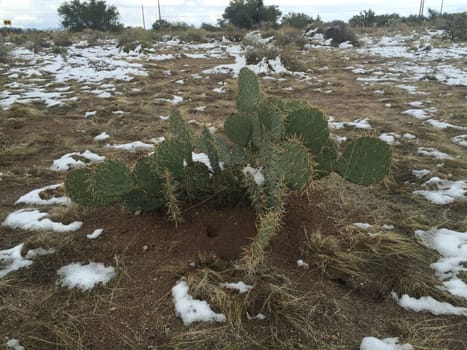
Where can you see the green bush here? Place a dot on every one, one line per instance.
(456, 26)
(250, 13)
(340, 32)
(297, 20)
(4, 52)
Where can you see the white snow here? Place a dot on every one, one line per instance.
(95, 234)
(240, 286)
(90, 114)
(301, 263)
(433, 152)
(444, 191)
(443, 125)
(372, 343)
(452, 246)
(14, 344)
(429, 304)
(416, 104)
(192, 310)
(84, 277)
(417, 113)
(358, 124)
(363, 225)
(68, 160)
(389, 138)
(34, 197)
(409, 136)
(258, 176)
(34, 220)
(460, 140)
(136, 146)
(11, 260)
(420, 173)
(102, 136)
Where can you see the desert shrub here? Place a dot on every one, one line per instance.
(62, 38)
(296, 20)
(271, 148)
(288, 36)
(456, 26)
(255, 54)
(59, 50)
(130, 38)
(292, 60)
(210, 27)
(193, 35)
(233, 33)
(37, 41)
(340, 32)
(4, 52)
(370, 19)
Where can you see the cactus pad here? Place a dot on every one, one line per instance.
(365, 161)
(295, 165)
(113, 179)
(248, 91)
(196, 181)
(182, 132)
(78, 187)
(238, 128)
(169, 155)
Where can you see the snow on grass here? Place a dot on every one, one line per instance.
(84, 277)
(301, 263)
(240, 286)
(14, 344)
(136, 146)
(258, 176)
(34, 220)
(420, 173)
(416, 104)
(433, 152)
(417, 113)
(192, 310)
(101, 137)
(71, 160)
(438, 124)
(363, 225)
(372, 343)
(389, 138)
(34, 197)
(157, 140)
(409, 136)
(95, 234)
(12, 260)
(460, 140)
(175, 100)
(444, 191)
(429, 304)
(452, 246)
(90, 114)
(358, 124)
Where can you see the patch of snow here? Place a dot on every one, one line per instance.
(31, 254)
(358, 124)
(34, 197)
(460, 140)
(417, 113)
(452, 246)
(444, 191)
(443, 125)
(420, 173)
(102, 136)
(388, 227)
(136, 146)
(14, 344)
(389, 138)
(84, 277)
(416, 104)
(67, 161)
(372, 343)
(409, 136)
(192, 310)
(301, 263)
(258, 176)
(95, 234)
(433, 152)
(259, 316)
(90, 114)
(34, 220)
(240, 286)
(363, 225)
(12, 260)
(157, 140)
(429, 304)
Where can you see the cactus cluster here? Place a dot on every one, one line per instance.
(289, 141)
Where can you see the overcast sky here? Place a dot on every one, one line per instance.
(43, 13)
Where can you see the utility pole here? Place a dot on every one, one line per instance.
(441, 11)
(422, 8)
(159, 10)
(142, 11)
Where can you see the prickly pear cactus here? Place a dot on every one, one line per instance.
(113, 179)
(295, 165)
(365, 161)
(169, 155)
(208, 145)
(248, 91)
(238, 128)
(182, 132)
(78, 186)
(196, 181)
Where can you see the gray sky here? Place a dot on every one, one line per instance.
(43, 13)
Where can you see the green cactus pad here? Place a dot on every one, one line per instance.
(365, 161)
(325, 161)
(196, 182)
(79, 188)
(113, 179)
(169, 155)
(209, 147)
(248, 91)
(295, 165)
(182, 132)
(238, 128)
(310, 126)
